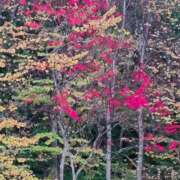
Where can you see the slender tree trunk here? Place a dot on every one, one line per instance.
(141, 127)
(108, 126)
(121, 136)
(143, 44)
(124, 14)
(55, 171)
(108, 147)
(63, 157)
(72, 167)
(62, 166)
(141, 146)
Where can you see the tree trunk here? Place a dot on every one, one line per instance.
(61, 175)
(121, 136)
(109, 142)
(55, 167)
(141, 146)
(65, 149)
(124, 14)
(72, 167)
(62, 164)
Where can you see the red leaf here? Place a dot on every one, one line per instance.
(158, 147)
(173, 145)
(114, 103)
(149, 137)
(91, 94)
(135, 102)
(106, 91)
(55, 43)
(27, 12)
(107, 76)
(171, 128)
(142, 77)
(159, 107)
(73, 2)
(105, 57)
(28, 101)
(22, 2)
(61, 101)
(148, 149)
(125, 91)
(33, 25)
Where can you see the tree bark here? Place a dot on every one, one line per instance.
(141, 146)
(108, 147)
(55, 169)
(124, 14)
(62, 164)
(72, 167)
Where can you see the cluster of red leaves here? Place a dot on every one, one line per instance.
(75, 13)
(55, 43)
(153, 146)
(46, 8)
(89, 67)
(105, 42)
(33, 25)
(132, 100)
(76, 16)
(28, 101)
(114, 103)
(27, 12)
(171, 128)
(136, 100)
(96, 4)
(106, 92)
(125, 91)
(22, 2)
(91, 94)
(63, 104)
(172, 146)
(105, 57)
(106, 77)
(149, 137)
(159, 107)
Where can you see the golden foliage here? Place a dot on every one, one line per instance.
(12, 107)
(17, 142)
(41, 66)
(2, 108)
(10, 171)
(60, 61)
(177, 105)
(11, 123)
(2, 63)
(55, 61)
(10, 28)
(9, 51)
(100, 25)
(13, 77)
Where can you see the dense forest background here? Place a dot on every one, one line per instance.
(89, 89)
